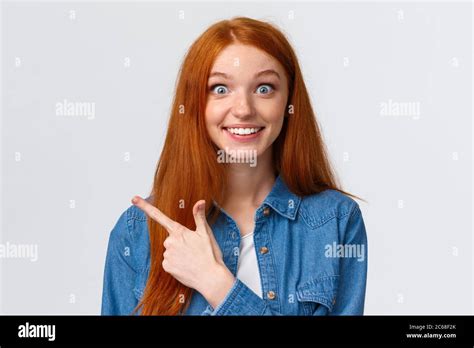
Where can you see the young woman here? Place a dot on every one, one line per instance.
(245, 216)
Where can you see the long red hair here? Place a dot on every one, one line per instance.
(188, 170)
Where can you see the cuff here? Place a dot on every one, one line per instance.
(240, 300)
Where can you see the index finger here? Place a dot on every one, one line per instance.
(155, 213)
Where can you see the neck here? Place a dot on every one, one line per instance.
(247, 185)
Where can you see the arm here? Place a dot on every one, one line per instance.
(241, 300)
(119, 275)
(353, 270)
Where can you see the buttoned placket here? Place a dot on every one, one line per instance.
(280, 203)
(265, 260)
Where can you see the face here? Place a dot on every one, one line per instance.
(247, 97)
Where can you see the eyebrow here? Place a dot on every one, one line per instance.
(229, 77)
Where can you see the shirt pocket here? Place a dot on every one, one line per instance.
(318, 295)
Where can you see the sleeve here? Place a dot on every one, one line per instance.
(119, 274)
(353, 270)
(240, 300)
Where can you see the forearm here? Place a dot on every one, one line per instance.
(217, 285)
(227, 295)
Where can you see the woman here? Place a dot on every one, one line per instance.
(245, 216)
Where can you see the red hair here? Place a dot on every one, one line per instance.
(188, 170)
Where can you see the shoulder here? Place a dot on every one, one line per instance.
(125, 227)
(319, 208)
(130, 236)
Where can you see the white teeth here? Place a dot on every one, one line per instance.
(243, 131)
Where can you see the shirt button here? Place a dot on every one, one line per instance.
(334, 301)
(271, 295)
(263, 250)
(266, 211)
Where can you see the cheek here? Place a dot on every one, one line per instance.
(214, 118)
(216, 110)
(273, 114)
(276, 129)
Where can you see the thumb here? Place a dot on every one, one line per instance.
(199, 212)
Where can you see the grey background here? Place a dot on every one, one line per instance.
(415, 170)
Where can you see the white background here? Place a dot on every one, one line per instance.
(77, 174)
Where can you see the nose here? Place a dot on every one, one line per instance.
(242, 106)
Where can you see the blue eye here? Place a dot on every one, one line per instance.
(265, 89)
(219, 89)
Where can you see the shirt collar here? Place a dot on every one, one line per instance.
(282, 200)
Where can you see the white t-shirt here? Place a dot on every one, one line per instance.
(247, 268)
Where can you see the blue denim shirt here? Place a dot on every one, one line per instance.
(311, 253)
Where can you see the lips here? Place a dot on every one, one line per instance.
(243, 130)
(243, 134)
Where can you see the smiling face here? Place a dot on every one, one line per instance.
(247, 97)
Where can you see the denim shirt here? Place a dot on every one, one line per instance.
(311, 253)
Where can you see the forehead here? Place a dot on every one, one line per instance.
(250, 58)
